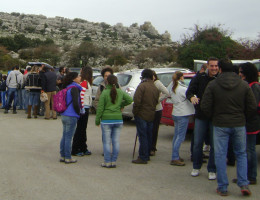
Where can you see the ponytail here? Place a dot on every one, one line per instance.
(112, 80)
(175, 78)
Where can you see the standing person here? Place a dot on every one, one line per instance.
(12, 82)
(145, 100)
(60, 77)
(33, 84)
(20, 96)
(79, 145)
(70, 116)
(249, 73)
(3, 91)
(48, 80)
(203, 124)
(158, 111)
(109, 114)
(183, 109)
(26, 91)
(228, 100)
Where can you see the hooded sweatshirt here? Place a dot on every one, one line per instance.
(14, 77)
(228, 100)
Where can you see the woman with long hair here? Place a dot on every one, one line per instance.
(79, 145)
(70, 116)
(180, 113)
(111, 101)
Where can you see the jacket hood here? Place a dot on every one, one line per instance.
(228, 80)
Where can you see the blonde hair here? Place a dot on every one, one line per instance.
(35, 68)
(175, 78)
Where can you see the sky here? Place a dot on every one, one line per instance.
(241, 18)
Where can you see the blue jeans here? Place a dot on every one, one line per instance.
(26, 98)
(201, 129)
(144, 132)
(180, 129)
(3, 98)
(251, 157)
(34, 98)
(11, 95)
(69, 127)
(111, 133)
(221, 137)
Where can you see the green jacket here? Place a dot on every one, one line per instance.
(107, 110)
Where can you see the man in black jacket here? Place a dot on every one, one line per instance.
(203, 124)
(228, 100)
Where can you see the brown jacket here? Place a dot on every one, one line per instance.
(145, 100)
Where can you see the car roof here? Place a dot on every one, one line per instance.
(39, 63)
(157, 70)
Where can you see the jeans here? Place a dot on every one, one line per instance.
(156, 124)
(221, 137)
(203, 127)
(144, 132)
(69, 127)
(111, 132)
(20, 98)
(34, 98)
(251, 157)
(11, 95)
(3, 98)
(180, 129)
(80, 137)
(25, 98)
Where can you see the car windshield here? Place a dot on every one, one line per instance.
(123, 79)
(97, 81)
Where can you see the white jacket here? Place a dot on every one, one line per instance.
(13, 78)
(181, 105)
(163, 94)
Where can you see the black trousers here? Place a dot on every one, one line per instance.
(80, 137)
(156, 124)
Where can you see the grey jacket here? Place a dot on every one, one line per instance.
(14, 77)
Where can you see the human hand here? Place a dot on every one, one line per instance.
(194, 100)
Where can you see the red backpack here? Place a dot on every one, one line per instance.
(258, 105)
(59, 100)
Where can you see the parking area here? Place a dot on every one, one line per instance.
(30, 169)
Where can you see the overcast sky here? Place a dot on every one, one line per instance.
(240, 17)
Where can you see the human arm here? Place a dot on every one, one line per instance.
(191, 93)
(75, 99)
(100, 108)
(207, 101)
(138, 99)
(126, 100)
(163, 90)
(250, 105)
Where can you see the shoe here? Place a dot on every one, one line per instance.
(222, 193)
(46, 118)
(29, 117)
(106, 165)
(62, 159)
(80, 154)
(177, 163)
(212, 176)
(152, 153)
(55, 118)
(206, 148)
(195, 172)
(245, 190)
(6, 111)
(113, 165)
(252, 182)
(69, 161)
(14, 112)
(139, 161)
(181, 159)
(87, 153)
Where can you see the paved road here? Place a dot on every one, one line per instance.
(30, 169)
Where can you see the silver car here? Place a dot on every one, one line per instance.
(130, 79)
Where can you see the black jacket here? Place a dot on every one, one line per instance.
(228, 100)
(197, 87)
(33, 82)
(48, 80)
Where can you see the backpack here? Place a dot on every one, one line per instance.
(59, 100)
(258, 105)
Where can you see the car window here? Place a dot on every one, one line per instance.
(123, 79)
(187, 81)
(165, 78)
(97, 81)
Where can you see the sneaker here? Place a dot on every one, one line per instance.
(177, 163)
(212, 176)
(87, 153)
(79, 154)
(139, 161)
(14, 112)
(252, 182)
(113, 165)
(62, 159)
(245, 190)
(106, 165)
(195, 172)
(222, 193)
(69, 161)
(206, 148)
(6, 111)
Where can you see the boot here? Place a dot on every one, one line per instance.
(29, 112)
(35, 111)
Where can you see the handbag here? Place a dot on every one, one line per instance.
(44, 97)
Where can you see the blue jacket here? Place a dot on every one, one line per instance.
(73, 101)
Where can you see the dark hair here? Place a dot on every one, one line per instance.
(204, 66)
(175, 78)
(225, 65)
(107, 69)
(147, 73)
(250, 72)
(68, 79)
(236, 69)
(4, 77)
(29, 69)
(212, 59)
(155, 75)
(87, 74)
(16, 67)
(112, 80)
(61, 69)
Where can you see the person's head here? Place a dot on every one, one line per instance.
(203, 68)
(4, 77)
(87, 74)
(61, 70)
(212, 66)
(147, 74)
(112, 80)
(29, 68)
(177, 76)
(16, 67)
(155, 77)
(35, 69)
(71, 77)
(225, 66)
(248, 72)
(67, 70)
(106, 72)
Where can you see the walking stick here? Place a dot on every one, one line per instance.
(134, 146)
